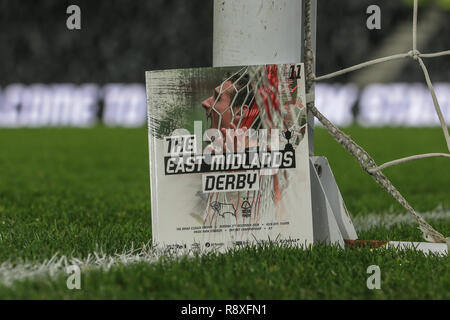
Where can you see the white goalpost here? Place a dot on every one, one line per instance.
(261, 32)
(254, 32)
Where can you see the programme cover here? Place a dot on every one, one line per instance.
(229, 162)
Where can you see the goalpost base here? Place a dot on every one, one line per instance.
(331, 222)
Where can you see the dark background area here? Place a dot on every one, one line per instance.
(120, 39)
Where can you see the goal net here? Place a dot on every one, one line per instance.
(366, 161)
(266, 106)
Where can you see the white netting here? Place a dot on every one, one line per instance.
(259, 97)
(255, 97)
(366, 161)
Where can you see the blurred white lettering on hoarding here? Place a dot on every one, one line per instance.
(336, 101)
(124, 105)
(402, 105)
(41, 105)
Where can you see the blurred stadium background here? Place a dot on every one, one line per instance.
(51, 76)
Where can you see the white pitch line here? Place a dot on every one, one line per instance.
(389, 220)
(56, 265)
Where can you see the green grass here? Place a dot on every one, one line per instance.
(75, 191)
(260, 273)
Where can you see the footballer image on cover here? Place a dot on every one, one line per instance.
(229, 161)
